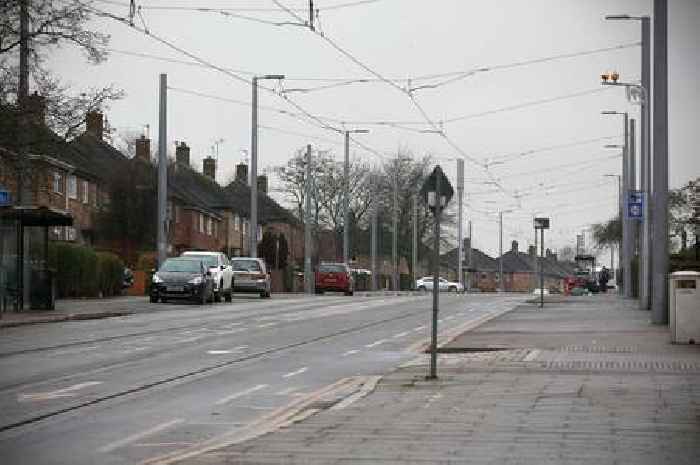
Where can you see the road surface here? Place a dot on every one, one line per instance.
(132, 389)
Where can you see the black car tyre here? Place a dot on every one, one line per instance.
(154, 299)
(349, 293)
(203, 297)
(421, 288)
(451, 289)
(228, 297)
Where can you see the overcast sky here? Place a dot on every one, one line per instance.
(408, 39)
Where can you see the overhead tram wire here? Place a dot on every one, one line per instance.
(406, 92)
(309, 116)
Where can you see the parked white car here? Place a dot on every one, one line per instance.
(221, 273)
(538, 291)
(426, 284)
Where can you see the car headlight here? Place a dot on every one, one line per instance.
(157, 279)
(196, 280)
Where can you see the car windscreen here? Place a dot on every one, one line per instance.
(180, 265)
(331, 268)
(245, 265)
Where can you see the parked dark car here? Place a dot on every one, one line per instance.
(334, 277)
(182, 278)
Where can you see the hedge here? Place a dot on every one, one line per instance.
(82, 272)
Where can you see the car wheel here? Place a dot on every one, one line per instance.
(422, 288)
(154, 299)
(164, 300)
(228, 297)
(349, 293)
(203, 297)
(319, 291)
(451, 289)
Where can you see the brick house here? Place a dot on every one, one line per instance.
(207, 216)
(481, 274)
(61, 175)
(521, 272)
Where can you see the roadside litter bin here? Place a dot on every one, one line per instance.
(684, 297)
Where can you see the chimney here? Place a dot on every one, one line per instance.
(182, 154)
(143, 149)
(514, 246)
(242, 173)
(209, 167)
(262, 184)
(532, 251)
(35, 107)
(94, 124)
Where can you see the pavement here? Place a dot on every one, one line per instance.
(72, 309)
(584, 380)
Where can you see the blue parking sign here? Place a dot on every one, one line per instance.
(635, 205)
(4, 197)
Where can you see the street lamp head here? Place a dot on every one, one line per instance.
(614, 146)
(360, 131)
(609, 112)
(617, 17)
(272, 76)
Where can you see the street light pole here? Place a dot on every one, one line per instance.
(162, 171)
(500, 250)
(625, 254)
(659, 304)
(253, 232)
(346, 194)
(308, 273)
(460, 235)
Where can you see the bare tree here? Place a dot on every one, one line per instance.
(327, 186)
(53, 24)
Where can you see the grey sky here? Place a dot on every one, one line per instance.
(403, 39)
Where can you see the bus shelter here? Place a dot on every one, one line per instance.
(26, 280)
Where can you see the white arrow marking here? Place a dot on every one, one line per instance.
(65, 392)
(240, 394)
(137, 436)
(350, 352)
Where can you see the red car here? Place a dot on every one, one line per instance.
(334, 277)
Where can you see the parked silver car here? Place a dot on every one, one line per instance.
(251, 275)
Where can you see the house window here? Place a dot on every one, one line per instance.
(213, 229)
(201, 223)
(72, 187)
(57, 182)
(209, 225)
(86, 192)
(236, 223)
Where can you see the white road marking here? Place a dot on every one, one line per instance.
(137, 436)
(419, 328)
(236, 395)
(350, 352)
(218, 352)
(532, 355)
(65, 392)
(266, 325)
(376, 343)
(294, 373)
(396, 336)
